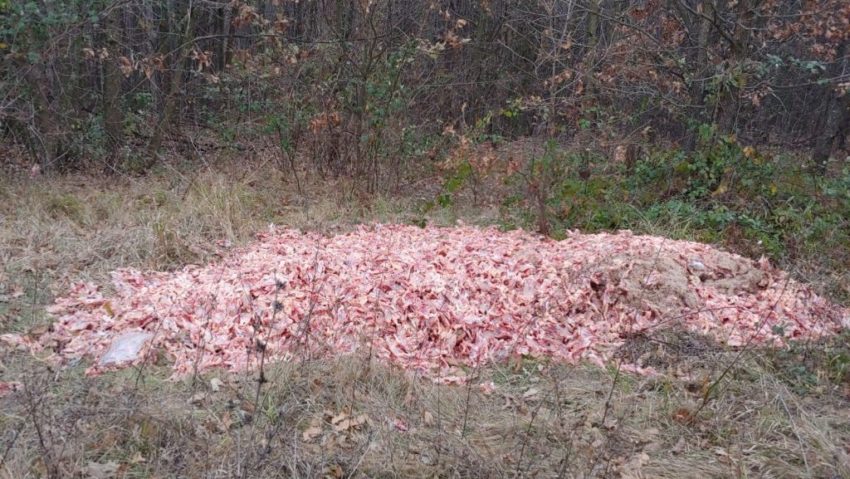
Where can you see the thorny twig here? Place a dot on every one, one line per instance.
(33, 404)
(466, 408)
(262, 344)
(528, 428)
(305, 330)
(202, 344)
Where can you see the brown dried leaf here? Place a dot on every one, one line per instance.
(531, 395)
(96, 470)
(428, 418)
(334, 472)
(311, 433)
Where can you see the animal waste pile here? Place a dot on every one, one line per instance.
(431, 300)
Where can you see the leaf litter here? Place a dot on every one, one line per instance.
(432, 300)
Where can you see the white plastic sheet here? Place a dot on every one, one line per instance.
(125, 348)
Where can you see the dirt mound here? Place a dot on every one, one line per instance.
(667, 284)
(659, 284)
(435, 299)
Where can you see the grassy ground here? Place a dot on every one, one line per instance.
(773, 414)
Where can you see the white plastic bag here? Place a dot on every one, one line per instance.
(125, 348)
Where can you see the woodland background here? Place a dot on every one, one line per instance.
(367, 83)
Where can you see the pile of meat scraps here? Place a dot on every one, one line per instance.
(432, 300)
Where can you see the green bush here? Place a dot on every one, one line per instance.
(721, 193)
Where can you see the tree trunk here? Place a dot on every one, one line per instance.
(226, 34)
(593, 25)
(730, 96)
(700, 69)
(46, 128)
(113, 114)
(172, 98)
(836, 116)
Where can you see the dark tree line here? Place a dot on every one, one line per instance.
(360, 84)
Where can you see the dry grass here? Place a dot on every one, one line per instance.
(98, 224)
(539, 421)
(777, 414)
(71, 228)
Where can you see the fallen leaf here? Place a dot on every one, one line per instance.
(339, 418)
(37, 331)
(682, 415)
(722, 455)
(334, 472)
(487, 388)
(428, 418)
(348, 423)
(226, 421)
(631, 469)
(96, 470)
(311, 433)
(531, 394)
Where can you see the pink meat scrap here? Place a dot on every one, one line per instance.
(427, 299)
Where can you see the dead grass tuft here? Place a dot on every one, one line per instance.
(355, 418)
